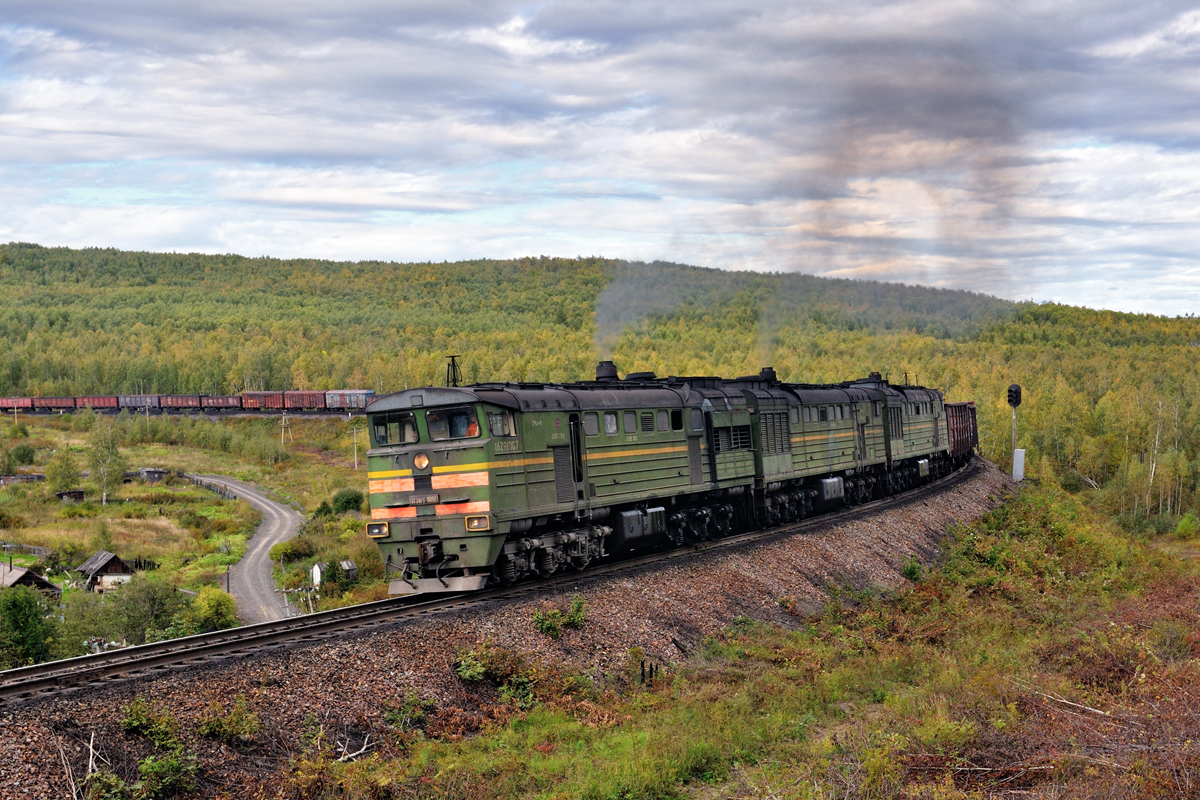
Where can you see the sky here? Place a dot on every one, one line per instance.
(1044, 151)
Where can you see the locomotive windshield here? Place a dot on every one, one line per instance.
(399, 427)
(452, 423)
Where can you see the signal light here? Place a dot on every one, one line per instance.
(377, 530)
(421, 461)
(1014, 395)
(479, 523)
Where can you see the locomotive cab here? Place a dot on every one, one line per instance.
(431, 489)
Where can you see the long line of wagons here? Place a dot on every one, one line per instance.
(339, 400)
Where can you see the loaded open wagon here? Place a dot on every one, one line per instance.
(9, 403)
(53, 403)
(180, 401)
(138, 401)
(219, 401)
(97, 401)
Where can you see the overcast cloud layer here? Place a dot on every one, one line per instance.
(1030, 150)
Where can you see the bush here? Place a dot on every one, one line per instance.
(412, 714)
(912, 570)
(1188, 527)
(164, 776)
(323, 511)
(11, 521)
(553, 621)
(347, 500)
(23, 454)
(293, 550)
(239, 724)
(140, 717)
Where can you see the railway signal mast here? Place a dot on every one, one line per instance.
(1018, 463)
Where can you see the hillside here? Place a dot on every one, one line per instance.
(1109, 396)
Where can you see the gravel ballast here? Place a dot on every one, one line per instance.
(343, 687)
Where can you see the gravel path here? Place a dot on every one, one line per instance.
(346, 685)
(250, 580)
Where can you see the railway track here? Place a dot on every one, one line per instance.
(54, 677)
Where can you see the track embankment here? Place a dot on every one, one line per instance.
(345, 686)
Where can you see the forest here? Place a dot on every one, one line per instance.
(1109, 397)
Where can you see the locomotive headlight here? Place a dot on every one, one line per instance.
(377, 530)
(420, 461)
(481, 523)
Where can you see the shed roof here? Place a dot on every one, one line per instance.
(20, 576)
(98, 561)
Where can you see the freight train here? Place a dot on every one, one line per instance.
(339, 400)
(498, 482)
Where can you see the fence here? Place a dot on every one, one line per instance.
(215, 488)
(27, 549)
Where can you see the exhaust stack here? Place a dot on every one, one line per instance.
(606, 371)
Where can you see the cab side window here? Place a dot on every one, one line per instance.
(631, 425)
(452, 423)
(500, 423)
(610, 424)
(591, 424)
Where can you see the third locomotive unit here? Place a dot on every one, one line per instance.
(497, 482)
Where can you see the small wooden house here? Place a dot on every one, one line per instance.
(20, 576)
(104, 571)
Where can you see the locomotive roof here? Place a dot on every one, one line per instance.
(648, 392)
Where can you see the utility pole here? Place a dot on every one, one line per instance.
(285, 425)
(228, 570)
(355, 431)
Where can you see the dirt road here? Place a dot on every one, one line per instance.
(250, 581)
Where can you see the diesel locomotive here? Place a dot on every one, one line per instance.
(498, 482)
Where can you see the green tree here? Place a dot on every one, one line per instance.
(146, 604)
(26, 630)
(213, 609)
(23, 454)
(105, 460)
(86, 617)
(347, 500)
(62, 471)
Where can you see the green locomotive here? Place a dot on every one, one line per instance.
(501, 481)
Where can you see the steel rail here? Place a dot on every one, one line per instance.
(142, 660)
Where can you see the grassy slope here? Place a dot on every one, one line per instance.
(1047, 651)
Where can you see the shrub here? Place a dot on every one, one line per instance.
(347, 500)
(239, 724)
(553, 621)
(23, 454)
(912, 569)
(293, 550)
(161, 728)
(412, 714)
(169, 775)
(11, 521)
(103, 785)
(323, 511)
(470, 666)
(1188, 527)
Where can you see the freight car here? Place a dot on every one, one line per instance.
(502, 481)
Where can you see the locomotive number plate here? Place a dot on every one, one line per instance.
(423, 499)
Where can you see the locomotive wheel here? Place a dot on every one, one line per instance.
(505, 571)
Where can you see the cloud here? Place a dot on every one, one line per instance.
(1018, 149)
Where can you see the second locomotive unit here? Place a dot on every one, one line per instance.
(501, 481)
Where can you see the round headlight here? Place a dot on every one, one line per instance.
(420, 461)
